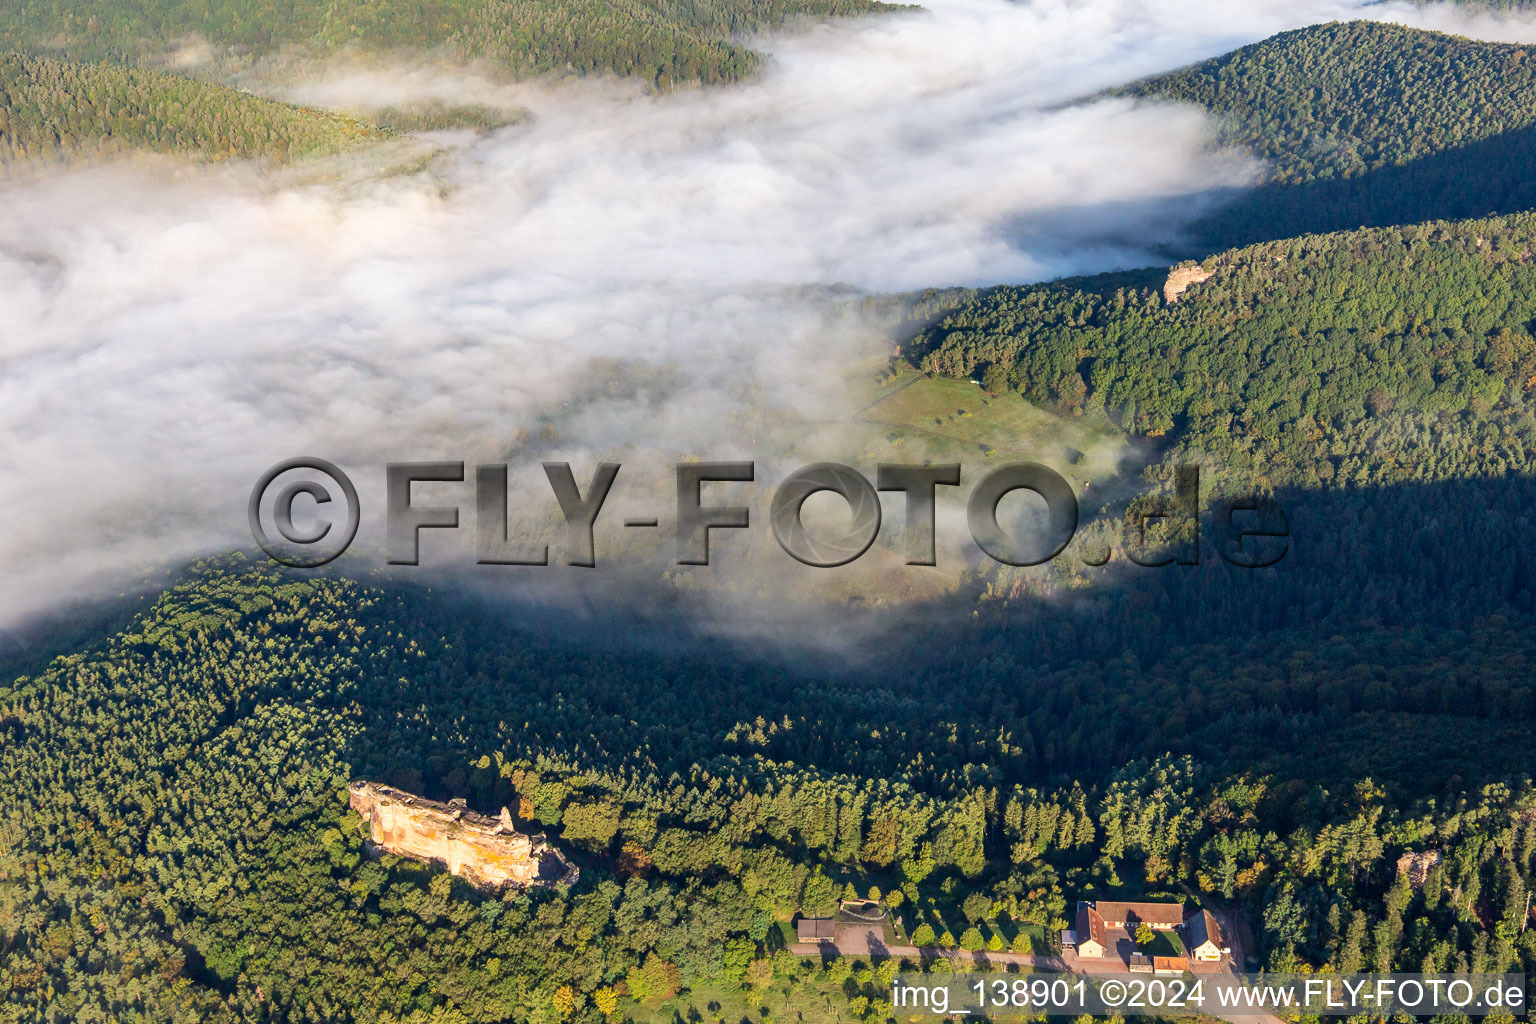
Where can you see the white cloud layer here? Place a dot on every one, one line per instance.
(164, 338)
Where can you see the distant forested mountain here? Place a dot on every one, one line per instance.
(1337, 100)
(1372, 356)
(661, 41)
(51, 107)
(1365, 124)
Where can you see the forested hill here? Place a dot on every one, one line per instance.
(175, 842)
(661, 41)
(1344, 98)
(50, 107)
(1365, 123)
(1372, 356)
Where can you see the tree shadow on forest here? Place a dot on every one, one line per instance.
(1393, 640)
(1490, 177)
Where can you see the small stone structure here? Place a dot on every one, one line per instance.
(489, 853)
(1181, 278)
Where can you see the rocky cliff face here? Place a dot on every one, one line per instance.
(486, 852)
(1181, 277)
(1417, 866)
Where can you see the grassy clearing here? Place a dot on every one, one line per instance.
(1032, 938)
(956, 415)
(1165, 943)
(869, 385)
(786, 935)
(813, 999)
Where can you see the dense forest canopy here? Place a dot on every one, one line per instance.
(1341, 99)
(1363, 357)
(99, 102)
(661, 41)
(1366, 123)
(176, 840)
(1378, 382)
(51, 107)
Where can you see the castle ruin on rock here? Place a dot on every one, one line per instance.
(489, 853)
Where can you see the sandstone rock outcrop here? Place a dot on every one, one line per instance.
(486, 852)
(1180, 278)
(1417, 865)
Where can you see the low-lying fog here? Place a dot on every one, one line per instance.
(167, 336)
